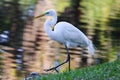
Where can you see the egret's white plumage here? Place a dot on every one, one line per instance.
(66, 33)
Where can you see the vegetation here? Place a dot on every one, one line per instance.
(106, 71)
(97, 17)
(60, 7)
(99, 20)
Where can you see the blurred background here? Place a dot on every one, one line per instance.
(26, 48)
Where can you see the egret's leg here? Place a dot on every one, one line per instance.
(68, 56)
(67, 60)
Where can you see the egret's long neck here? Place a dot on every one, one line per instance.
(50, 23)
(53, 20)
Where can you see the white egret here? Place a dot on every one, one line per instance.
(65, 33)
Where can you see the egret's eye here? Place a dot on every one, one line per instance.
(47, 13)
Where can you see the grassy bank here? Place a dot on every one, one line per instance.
(106, 71)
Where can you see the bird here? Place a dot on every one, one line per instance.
(65, 33)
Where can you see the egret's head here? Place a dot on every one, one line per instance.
(50, 12)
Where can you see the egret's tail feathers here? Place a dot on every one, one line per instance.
(91, 48)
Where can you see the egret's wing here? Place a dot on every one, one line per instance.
(73, 34)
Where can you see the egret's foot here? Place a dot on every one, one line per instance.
(54, 68)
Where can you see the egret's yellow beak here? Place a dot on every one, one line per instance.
(39, 16)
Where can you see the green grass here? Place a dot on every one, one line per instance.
(106, 71)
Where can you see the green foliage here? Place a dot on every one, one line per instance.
(106, 71)
(101, 17)
(61, 4)
(95, 12)
(110, 56)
